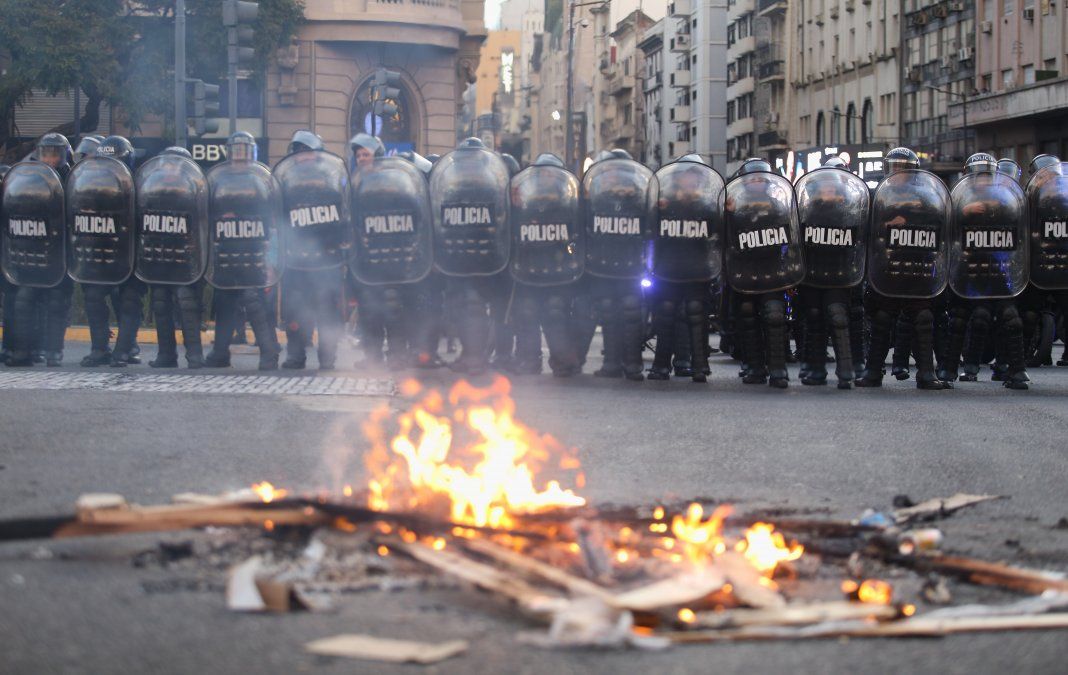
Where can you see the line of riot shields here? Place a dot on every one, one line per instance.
(681, 230)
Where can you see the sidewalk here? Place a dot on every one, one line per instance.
(148, 335)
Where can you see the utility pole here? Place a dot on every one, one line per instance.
(237, 14)
(179, 74)
(569, 130)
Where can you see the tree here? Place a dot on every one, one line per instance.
(120, 53)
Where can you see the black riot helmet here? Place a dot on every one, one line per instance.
(836, 162)
(509, 161)
(119, 148)
(368, 143)
(754, 165)
(548, 159)
(620, 153)
(177, 150)
(1009, 167)
(422, 163)
(980, 162)
(692, 157)
(241, 147)
(900, 159)
(433, 158)
(86, 147)
(1041, 162)
(54, 150)
(304, 141)
(471, 142)
(602, 155)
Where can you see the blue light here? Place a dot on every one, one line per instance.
(646, 283)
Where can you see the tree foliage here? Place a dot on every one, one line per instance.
(120, 52)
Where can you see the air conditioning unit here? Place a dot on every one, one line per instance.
(915, 74)
(1029, 13)
(947, 61)
(850, 5)
(941, 11)
(834, 12)
(773, 118)
(987, 27)
(818, 19)
(965, 53)
(919, 19)
(956, 6)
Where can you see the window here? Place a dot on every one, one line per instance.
(819, 128)
(866, 122)
(730, 112)
(850, 124)
(1029, 74)
(836, 121)
(1010, 6)
(1007, 79)
(393, 130)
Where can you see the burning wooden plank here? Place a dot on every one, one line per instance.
(794, 615)
(988, 573)
(933, 508)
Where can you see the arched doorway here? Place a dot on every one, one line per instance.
(398, 132)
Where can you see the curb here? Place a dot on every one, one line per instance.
(148, 335)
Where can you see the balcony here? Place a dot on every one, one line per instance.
(438, 23)
(771, 140)
(771, 71)
(770, 7)
(680, 8)
(680, 113)
(741, 87)
(739, 127)
(681, 43)
(742, 46)
(619, 84)
(680, 78)
(653, 81)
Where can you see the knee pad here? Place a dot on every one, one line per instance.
(774, 313)
(695, 311)
(747, 308)
(556, 308)
(630, 306)
(924, 320)
(981, 317)
(838, 315)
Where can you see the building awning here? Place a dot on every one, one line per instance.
(1033, 99)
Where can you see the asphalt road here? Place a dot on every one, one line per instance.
(80, 606)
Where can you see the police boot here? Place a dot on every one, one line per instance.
(666, 340)
(882, 324)
(957, 330)
(695, 321)
(633, 337)
(563, 356)
(1012, 345)
(682, 360)
(612, 337)
(755, 369)
(838, 318)
(24, 306)
(163, 313)
(266, 339)
(978, 327)
(858, 335)
(903, 340)
(814, 371)
(774, 313)
(296, 354)
(96, 313)
(189, 312)
(925, 366)
(129, 312)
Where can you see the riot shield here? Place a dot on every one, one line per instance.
(988, 252)
(172, 221)
(687, 229)
(833, 206)
(315, 197)
(548, 243)
(100, 221)
(907, 241)
(1047, 197)
(244, 242)
(616, 214)
(34, 235)
(763, 239)
(391, 216)
(469, 202)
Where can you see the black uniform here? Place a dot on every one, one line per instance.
(763, 260)
(318, 233)
(470, 208)
(906, 268)
(833, 205)
(245, 255)
(686, 257)
(548, 258)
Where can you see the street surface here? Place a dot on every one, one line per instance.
(82, 607)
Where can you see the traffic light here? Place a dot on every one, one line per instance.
(205, 105)
(384, 91)
(237, 15)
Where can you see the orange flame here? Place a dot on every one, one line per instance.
(875, 592)
(466, 451)
(765, 548)
(267, 492)
(701, 538)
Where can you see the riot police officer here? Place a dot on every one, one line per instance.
(100, 216)
(616, 213)
(245, 254)
(763, 260)
(37, 302)
(907, 253)
(833, 205)
(987, 268)
(686, 256)
(1047, 198)
(318, 228)
(469, 203)
(548, 257)
(171, 244)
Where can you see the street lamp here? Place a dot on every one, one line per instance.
(569, 131)
(964, 110)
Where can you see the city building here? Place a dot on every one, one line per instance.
(658, 127)
(843, 68)
(620, 118)
(696, 101)
(496, 115)
(1020, 72)
(323, 80)
(938, 67)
